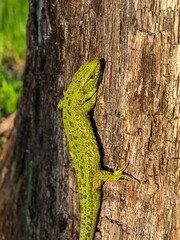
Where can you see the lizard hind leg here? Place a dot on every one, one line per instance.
(122, 177)
(102, 176)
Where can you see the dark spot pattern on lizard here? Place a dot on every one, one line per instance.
(79, 99)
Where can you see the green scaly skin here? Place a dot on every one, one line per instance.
(78, 100)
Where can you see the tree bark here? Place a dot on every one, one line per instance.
(136, 120)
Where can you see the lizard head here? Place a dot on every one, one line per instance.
(85, 80)
(84, 84)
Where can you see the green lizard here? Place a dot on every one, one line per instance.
(78, 100)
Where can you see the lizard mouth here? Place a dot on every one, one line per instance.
(90, 96)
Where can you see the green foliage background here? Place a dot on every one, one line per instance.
(13, 19)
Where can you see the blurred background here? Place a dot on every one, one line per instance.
(13, 19)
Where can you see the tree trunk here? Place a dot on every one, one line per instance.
(136, 120)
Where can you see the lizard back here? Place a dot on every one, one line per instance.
(79, 99)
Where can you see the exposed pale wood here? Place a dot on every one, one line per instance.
(7, 125)
(136, 116)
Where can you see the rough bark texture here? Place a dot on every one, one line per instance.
(136, 116)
